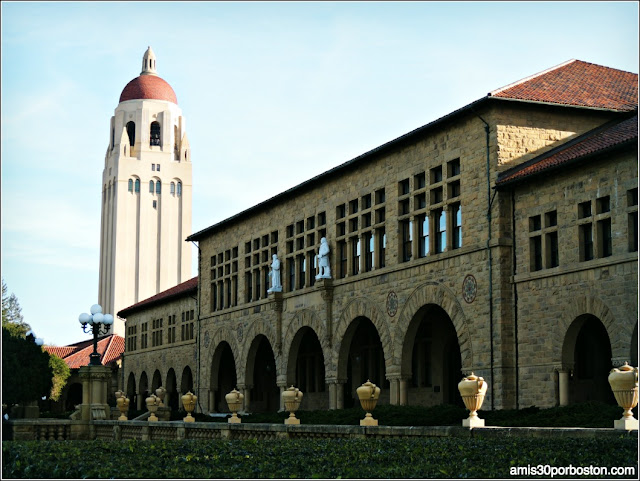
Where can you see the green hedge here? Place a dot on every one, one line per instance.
(323, 458)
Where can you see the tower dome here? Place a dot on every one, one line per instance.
(148, 85)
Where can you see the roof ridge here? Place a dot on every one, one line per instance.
(526, 79)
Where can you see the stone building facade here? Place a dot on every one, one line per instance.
(456, 247)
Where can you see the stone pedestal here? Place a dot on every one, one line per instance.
(626, 424)
(473, 422)
(95, 380)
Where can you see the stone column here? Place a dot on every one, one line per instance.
(139, 400)
(563, 386)
(277, 306)
(394, 391)
(333, 395)
(282, 387)
(94, 392)
(245, 389)
(326, 291)
(404, 392)
(340, 394)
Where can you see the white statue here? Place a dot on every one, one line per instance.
(324, 270)
(274, 274)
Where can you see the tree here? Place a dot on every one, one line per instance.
(26, 373)
(61, 373)
(12, 318)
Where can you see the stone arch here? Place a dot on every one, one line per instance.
(220, 335)
(186, 380)
(579, 306)
(261, 373)
(143, 389)
(292, 338)
(156, 382)
(171, 385)
(355, 309)
(439, 295)
(222, 381)
(260, 327)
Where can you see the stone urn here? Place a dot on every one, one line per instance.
(122, 402)
(624, 384)
(152, 406)
(189, 403)
(368, 394)
(292, 398)
(234, 399)
(472, 389)
(160, 393)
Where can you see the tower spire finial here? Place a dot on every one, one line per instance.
(149, 63)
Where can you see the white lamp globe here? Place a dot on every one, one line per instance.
(84, 318)
(107, 319)
(39, 341)
(96, 308)
(98, 317)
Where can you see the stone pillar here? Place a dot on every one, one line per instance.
(282, 388)
(333, 396)
(340, 394)
(394, 391)
(94, 392)
(139, 401)
(277, 306)
(246, 391)
(326, 291)
(404, 392)
(563, 387)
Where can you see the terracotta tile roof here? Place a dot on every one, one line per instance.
(612, 135)
(187, 287)
(77, 355)
(577, 83)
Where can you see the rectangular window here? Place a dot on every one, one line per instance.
(341, 229)
(453, 168)
(419, 181)
(584, 209)
(552, 249)
(534, 223)
(380, 215)
(435, 175)
(258, 281)
(340, 211)
(312, 262)
(604, 238)
(586, 242)
(366, 201)
(311, 223)
(440, 221)
(291, 263)
(248, 286)
(403, 207)
(353, 206)
(436, 195)
(423, 237)
(603, 205)
(302, 267)
(403, 187)
(535, 249)
(369, 251)
(355, 256)
(453, 189)
(342, 256)
(380, 196)
(456, 224)
(420, 201)
(406, 238)
(381, 239)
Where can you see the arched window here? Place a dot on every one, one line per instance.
(179, 188)
(173, 188)
(158, 187)
(113, 137)
(151, 186)
(155, 133)
(131, 132)
(137, 185)
(130, 185)
(185, 155)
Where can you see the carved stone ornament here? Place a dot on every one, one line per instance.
(392, 304)
(239, 333)
(469, 289)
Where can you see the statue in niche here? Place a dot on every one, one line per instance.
(324, 270)
(274, 274)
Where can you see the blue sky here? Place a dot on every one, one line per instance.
(273, 93)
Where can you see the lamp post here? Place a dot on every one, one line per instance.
(99, 324)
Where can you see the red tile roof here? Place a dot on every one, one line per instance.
(187, 287)
(76, 355)
(148, 87)
(577, 83)
(612, 135)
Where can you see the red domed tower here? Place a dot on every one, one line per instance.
(146, 195)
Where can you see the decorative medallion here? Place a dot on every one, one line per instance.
(392, 304)
(469, 289)
(206, 339)
(239, 333)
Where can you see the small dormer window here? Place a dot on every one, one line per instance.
(158, 187)
(151, 186)
(130, 185)
(179, 188)
(173, 188)
(137, 185)
(155, 133)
